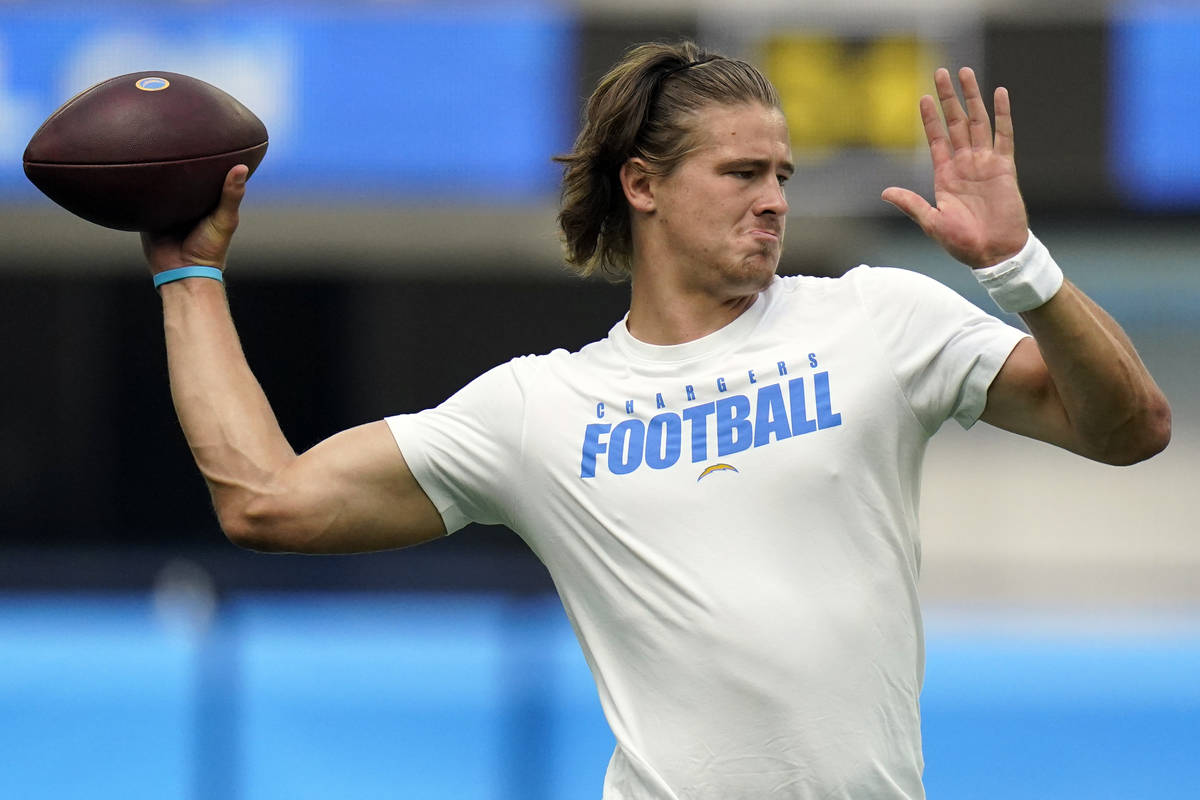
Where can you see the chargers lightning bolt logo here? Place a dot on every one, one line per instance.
(714, 468)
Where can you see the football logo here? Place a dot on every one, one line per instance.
(152, 84)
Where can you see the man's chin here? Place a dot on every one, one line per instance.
(766, 259)
(758, 271)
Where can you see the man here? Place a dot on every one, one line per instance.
(724, 489)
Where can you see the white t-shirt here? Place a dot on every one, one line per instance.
(732, 526)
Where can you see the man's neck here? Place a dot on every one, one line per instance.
(674, 318)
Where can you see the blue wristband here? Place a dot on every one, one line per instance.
(179, 273)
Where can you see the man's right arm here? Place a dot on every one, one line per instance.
(351, 493)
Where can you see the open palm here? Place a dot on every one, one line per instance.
(979, 216)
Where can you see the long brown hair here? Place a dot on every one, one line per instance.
(645, 107)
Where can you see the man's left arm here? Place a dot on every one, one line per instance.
(1079, 383)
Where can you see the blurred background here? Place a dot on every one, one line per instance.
(399, 239)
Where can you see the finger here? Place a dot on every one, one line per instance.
(914, 206)
(1005, 144)
(979, 126)
(225, 217)
(935, 132)
(952, 110)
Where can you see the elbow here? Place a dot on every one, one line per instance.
(259, 525)
(1157, 429)
(1145, 436)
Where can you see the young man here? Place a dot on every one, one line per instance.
(724, 489)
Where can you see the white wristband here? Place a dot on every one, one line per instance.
(1025, 281)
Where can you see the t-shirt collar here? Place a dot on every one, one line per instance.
(718, 340)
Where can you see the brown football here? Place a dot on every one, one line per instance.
(143, 152)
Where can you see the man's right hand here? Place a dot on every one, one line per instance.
(206, 244)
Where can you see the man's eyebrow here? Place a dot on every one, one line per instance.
(756, 163)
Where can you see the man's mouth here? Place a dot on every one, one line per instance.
(765, 232)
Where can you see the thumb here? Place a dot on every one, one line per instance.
(209, 241)
(225, 216)
(913, 205)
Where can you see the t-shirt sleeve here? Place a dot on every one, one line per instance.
(944, 351)
(466, 450)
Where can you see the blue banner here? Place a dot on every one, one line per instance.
(1155, 106)
(410, 103)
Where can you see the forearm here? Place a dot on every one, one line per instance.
(352, 492)
(1111, 402)
(228, 423)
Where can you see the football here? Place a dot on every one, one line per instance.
(146, 151)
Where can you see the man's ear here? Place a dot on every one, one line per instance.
(637, 184)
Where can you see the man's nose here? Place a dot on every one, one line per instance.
(773, 199)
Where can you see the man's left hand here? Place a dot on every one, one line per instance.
(980, 217)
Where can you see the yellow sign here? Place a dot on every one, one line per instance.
(851, 93)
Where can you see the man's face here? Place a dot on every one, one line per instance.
(723, 209)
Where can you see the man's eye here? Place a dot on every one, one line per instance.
(782, 179)
(745, 174)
